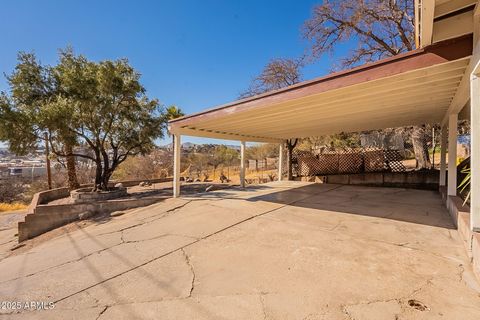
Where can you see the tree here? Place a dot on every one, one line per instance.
(220, 155)
(157, 164)
(291, 143)
(261, 152)
(99, 105)
(380, 28)
(230, 157)
(199, 164)
(173, 112)
(277, 74)
(23, 123)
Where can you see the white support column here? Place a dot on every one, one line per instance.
(242, 164)
(443, 157)
(177, 146)
(280, 161)
(475, 149)
(452, 154)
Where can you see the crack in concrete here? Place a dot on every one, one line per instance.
(354, 237)
(264, 306)
(158, 216)
(102, 312)
(460, 274)
(107, 248)
(158, 237)
(62, 264)
(187, 260)
(182, 247)
(3, 243)
(123, 241)
(191, 243)
(401, 301)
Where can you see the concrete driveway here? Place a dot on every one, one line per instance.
(279, 251)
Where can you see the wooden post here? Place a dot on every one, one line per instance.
(280, 161)
(452, 154)
(443, 156)
(242, 164)
(47, 160)
(176, 165)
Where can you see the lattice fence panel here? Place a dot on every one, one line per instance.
(350, 161)
(374, 160)
(347, 161)
(393, 159)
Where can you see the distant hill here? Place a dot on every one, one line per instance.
(190, 146)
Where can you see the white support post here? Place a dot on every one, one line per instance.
(177, 146)
(280, 161)
(242, 164)
(443, 157)
(475, 149)
(452, 154)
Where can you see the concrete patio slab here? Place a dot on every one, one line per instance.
(279, 251)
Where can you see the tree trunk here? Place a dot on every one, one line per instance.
(290, 146)
(420, 148)
(71, 169)
(98, 172)
(105, 179)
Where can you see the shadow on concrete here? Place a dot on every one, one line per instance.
(407, 205)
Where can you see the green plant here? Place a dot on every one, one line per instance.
(466, 183)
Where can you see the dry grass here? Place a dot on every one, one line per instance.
(11, 206)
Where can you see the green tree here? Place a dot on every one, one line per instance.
(218, 157)
(173, 112)
(22, 117)
(99, 105)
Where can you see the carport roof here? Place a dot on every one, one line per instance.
(412, 88)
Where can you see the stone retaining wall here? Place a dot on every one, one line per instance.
(42, 217)
(48, 217)
(131, 183)
(84, 195)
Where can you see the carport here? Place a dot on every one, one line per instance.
(428, 85)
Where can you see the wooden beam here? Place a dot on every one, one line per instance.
(438, 53)
(342, 123)
(406, 87)
(452, 27)
(325, 111)
(186, 131)
(451, 6)
(463, 92)
(426, 22)
(417, 10)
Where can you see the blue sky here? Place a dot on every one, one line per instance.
(194, 54)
